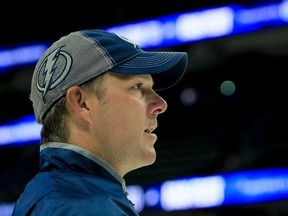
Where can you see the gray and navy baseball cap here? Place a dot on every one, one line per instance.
(83, 55)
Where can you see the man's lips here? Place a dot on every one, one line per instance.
(150, 129)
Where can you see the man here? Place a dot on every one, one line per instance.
(94, 92)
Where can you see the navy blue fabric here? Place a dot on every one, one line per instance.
(71, 184)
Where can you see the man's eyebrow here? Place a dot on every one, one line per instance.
(147, 78)
(137, 76)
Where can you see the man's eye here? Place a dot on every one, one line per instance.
(138, 86)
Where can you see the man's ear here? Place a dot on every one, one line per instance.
(76, 99)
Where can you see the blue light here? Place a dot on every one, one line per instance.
(189, 193)
(253, 19)
(179, 28)
(6, 209)
(283, 11)
(21, 131)
(152, 197)
(205, 24)
(238, 188)
(21, 55)
(256, 186)
(136, 195)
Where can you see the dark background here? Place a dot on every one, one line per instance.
(217, 134)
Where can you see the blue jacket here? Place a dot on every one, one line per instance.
(73, 181)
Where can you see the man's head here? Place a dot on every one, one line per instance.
(83, 55)
(97, 90)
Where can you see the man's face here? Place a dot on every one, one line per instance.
(124, 121)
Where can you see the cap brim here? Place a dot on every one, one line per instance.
(166, 68)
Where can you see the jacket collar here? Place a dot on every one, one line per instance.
(57, 155)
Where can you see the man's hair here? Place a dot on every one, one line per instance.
(54, 127)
